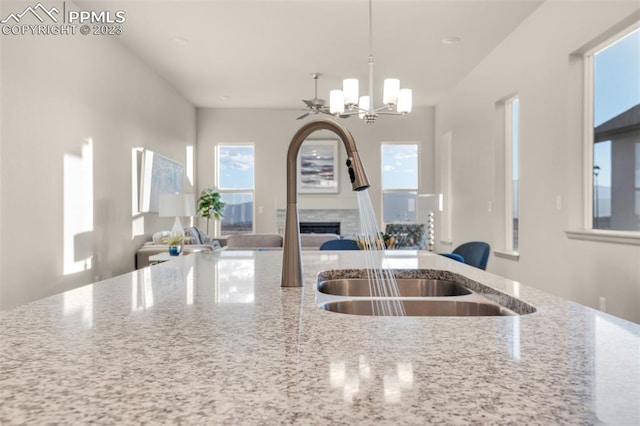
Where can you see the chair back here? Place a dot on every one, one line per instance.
(254, 241)
(343, 244)
(474, 253)
(453, 256)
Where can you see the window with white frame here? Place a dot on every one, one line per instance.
(613, 133)
(399, 182)
(512, 172)
(235, 182)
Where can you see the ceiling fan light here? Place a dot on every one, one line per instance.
(336, 102)
(350, 90)
(363, 105)
(391, 91)
(405, 100)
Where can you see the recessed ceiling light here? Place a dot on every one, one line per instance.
(224, 97)
(450, 40)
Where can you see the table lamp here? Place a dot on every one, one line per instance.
(177, 205)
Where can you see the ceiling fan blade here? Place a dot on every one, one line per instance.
(308, 102)
(303, 115)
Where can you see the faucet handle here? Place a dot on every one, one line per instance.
(352, 173)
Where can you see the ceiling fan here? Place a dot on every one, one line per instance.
(316, 105)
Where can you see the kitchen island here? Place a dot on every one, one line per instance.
(212, 338)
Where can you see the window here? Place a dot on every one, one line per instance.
(235, 183)
(613, 133)
(512, 172)
(399, 182)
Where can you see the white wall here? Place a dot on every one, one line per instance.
(73, 107)
(535, 62)
(272, 130)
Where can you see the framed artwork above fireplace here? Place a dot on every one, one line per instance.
(317, 166)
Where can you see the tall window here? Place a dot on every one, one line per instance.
(512, 172)
(235, 182)
(613, 82)
(399, 182)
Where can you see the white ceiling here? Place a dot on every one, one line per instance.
(261, 53)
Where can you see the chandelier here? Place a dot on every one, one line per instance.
(347, 102)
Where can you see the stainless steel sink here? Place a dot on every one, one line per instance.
(417, 287)
(418, 307)
(421, 292)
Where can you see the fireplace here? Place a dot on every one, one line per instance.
(348, 220)
(320, 228)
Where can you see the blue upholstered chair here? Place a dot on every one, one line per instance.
(453, 256)
(474, 253)
(343, 244)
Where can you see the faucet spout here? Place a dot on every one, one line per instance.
(292, 275)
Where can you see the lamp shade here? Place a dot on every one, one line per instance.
(336, 102)
(430, 202)
(404, 101)
(350, 89)
(177, 205)
(391, 91)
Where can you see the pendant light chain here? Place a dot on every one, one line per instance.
(370, 29)
(370, 115)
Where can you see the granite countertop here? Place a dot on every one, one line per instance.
(212, 338)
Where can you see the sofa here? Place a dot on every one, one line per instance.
(199, 241)
(314, 241)
(275, 241)
(254, 241)
(149, 249)
(196, 241)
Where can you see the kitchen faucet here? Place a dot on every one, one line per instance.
(292, 275)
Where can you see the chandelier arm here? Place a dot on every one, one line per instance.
(385, 108)
(345, 113)
(356, 109)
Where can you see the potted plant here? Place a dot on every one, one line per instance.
(174, 242)
(376, 242)
(210, 205)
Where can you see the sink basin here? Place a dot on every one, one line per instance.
(417, 287)
(422, 308)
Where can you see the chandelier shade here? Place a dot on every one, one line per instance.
(350, 90)
(336, 102)
(391, 90)
(405, 101)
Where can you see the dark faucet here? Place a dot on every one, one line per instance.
(292, 256)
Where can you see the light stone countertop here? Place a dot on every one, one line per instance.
(212, 338)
